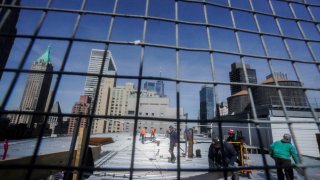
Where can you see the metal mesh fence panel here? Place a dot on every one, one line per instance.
(188, 45)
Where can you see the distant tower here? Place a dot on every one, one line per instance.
(160, 88)
(239, 99)
(9, 27)
(80, 107)
(207, 106)
(36, 90)
(237, 75)
(95, 63)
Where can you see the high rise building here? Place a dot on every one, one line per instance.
(9, 27)
(80, 107)
(95, 63)
(36, 90)
(207, 106)
(114, 104)
(237, 75)
(160, 88)
(239, 99)
(157, 87)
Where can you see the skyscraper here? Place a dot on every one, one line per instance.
(239, 99)
(160, 88)
(36, 90)
(9, 27)
(103, 105)
(207, 106)
(95, 63)
(157, 87)
(237, 75)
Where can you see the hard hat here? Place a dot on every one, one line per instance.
(286, 138)
(230, 131)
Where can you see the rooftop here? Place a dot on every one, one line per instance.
(148, 155)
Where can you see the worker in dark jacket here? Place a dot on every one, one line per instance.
(216, 158)
(281, 151)
(173, 142)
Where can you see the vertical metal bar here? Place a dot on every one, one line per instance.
(177, 85)
(67, 173)
(254, 112)
(57, 83)
(213, 79)
(6, 15)
(280, 94)
(145, 23)
(97, 90)
(213, 73)
(312, 15)
(313, 58)
(266, 52)
(20, 66)
(304, 36)
(317, 27)
(24, 58)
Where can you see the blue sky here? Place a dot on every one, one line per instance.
(193, 65)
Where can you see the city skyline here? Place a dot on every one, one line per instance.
(164, 60)
(123, 82)
(188, 72)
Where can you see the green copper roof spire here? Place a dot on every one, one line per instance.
(46, 56)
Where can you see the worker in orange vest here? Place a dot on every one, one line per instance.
(143, 134)
(153, 132)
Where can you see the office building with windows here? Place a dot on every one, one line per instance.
(237, 75)
(114, 104)
(36, 91)
(157, 86)
(151, 106)
(82, 107)
(207, 107)
(239, 99)
(95, 65)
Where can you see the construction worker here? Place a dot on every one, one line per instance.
(215, 156)
(281, 151)
(143, 134)
(173, 143)
(236, 139)
(231, 136)
(153, 132)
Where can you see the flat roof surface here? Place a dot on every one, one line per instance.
(148, 155)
